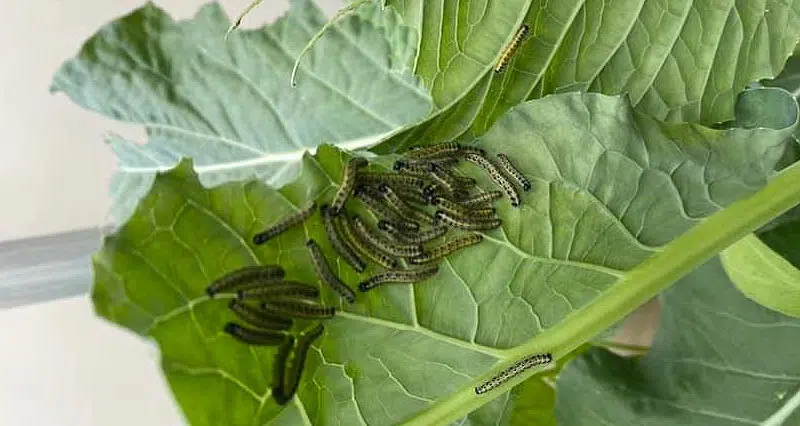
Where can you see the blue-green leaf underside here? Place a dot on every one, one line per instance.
(718, 359)
(611, 186)
(228, 104)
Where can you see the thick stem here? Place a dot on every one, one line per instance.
(648, 279)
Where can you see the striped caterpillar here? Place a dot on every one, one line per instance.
(253, 336)
(508, 52)
(347, 185)
(298, 309)
(447, 248)
(244, 276)
(285, 224)
(333, 228)
(510, 372)
(496, 176)
(399, 276)
(513, 172)
(325, 273)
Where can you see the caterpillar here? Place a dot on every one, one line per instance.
(362, 247)
(496, 176)
(392, 249)
(399, 276)
(246, 275)
(468, 224)
(512, 47)
(347, 185)
(421, 237)
(447, 248)
(279, 371)
(288, 222)
(391, 178)
(411, 195)
(443, 179)
(257, 317)
(432, 191)
(382, 210)
(441, 150)
(401, 207)
(447, 178)
(424, 163)
(279, 290)
(513, 172)
(339, 244)
(253, 336)
(325, 273)
(298, 309)
(419, 170)
(456, 209)
(486, 197)
(515, 369)
(295, 370)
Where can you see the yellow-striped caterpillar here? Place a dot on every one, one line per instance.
(285, 224)
(243, 276)
(468, 224)
(401, 207)
(399, 276)
(279, 371)
(513, 172)
(334, 230)
(378, 251)
(510, 372)
(279, 290)
(432, 191)
(390, 178)
(257, 317)
(442, 150)
(447, 248)
(365, 249)
(421, 237)
(419, 170)
(496, 176)
(298, 309)
(411, 195)
(446, 149)
(443, 179)
(456, 209)
(295, 370)
(347, 185)
(423, 163)
(389, 247)
(325, 273)
(254, 337)
(512, 47)
(370, 199)
(486, 197)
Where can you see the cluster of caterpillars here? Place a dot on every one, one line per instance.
(267, 303)
(424, 199)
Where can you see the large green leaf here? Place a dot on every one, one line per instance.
(718, 359)
(767, 271)
(228, 105)
(679, 61)
(763, 275)
(611, 188)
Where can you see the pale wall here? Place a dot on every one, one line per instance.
(59, 365)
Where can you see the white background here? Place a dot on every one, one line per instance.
(60, 365)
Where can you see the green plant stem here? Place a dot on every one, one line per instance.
(648, 279)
